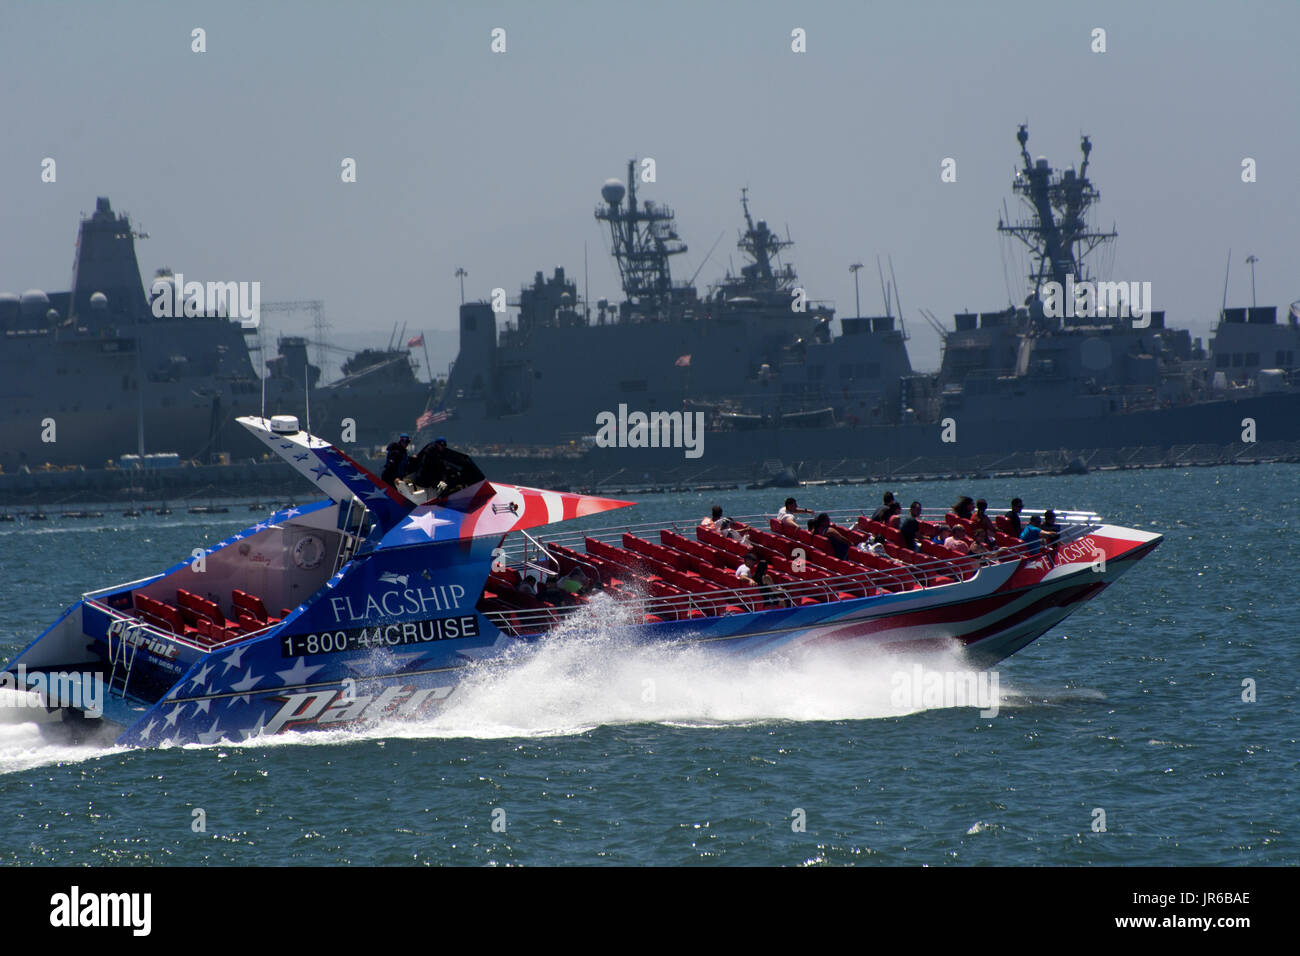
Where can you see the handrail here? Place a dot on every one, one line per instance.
(519, 619)
(140, 624)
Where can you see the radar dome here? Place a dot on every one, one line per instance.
(98, 301)
(34, 302)
(612, 191)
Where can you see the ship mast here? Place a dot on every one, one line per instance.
(644, 238)
(1056, 233)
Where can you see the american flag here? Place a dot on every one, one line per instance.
(418, 340)
(430, 418)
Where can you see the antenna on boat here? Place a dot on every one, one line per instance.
(306, 392)
(1226, 269)
(706, 257)
(261, 351)
(884, 291)
(898, 299)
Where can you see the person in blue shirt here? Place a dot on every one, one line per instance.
(1033, 534)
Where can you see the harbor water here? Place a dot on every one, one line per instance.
(1157, 725)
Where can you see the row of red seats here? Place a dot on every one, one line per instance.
(201, 620)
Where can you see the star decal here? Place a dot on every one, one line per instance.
(299, 673)
(175, 713)
(211, 735)
(290, 512)
(302, 457)
(320, 471)
(247, 683)
(201, 706)
(201, 678)
(232, 660)
(426, 522)
(147, 730)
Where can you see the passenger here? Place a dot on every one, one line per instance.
(839, 541)
(908, 529)
(964, 507)
(1049, 521)
(712, 523)
(886, 508)
(744, 573)
(981, 518)
(398, 463)
(895, 515)
(528, 584)
(958, 540)
(771, 594)
(574, 583)
(790, 510)
(981, 542)
(1013, 516)
(874, 545)
(1032, 534)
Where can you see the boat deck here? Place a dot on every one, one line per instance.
(675, 573)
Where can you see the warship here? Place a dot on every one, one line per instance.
(92, 374)
(762, 360)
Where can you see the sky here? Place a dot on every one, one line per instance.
(230, 159)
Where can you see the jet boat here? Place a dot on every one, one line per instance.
(373, 603)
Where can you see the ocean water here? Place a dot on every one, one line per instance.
(589, 752)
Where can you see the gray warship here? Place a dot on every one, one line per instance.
(777, 382)
(91, 375)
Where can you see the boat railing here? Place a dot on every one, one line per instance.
(135, 624)
(748, 598)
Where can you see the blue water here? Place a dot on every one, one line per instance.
(592, 753)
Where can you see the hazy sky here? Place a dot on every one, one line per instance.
(230, 159)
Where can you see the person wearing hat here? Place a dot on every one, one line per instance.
(398, 463)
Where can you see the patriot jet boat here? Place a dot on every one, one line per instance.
(371, 604)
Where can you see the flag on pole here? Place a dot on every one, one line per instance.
(418, 340)
(430, 418)
(683, 362)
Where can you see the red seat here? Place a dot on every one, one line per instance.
(252, 604)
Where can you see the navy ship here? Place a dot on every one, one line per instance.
(762, 360)
(92, 374)
(754, 350)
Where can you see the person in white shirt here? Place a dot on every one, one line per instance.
(790, 510)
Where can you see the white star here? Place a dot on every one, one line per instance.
(211, 736)
(201, 706)
(247, 683)
(290, 512)
(147, 729)
(260, 526)
(375, 495)
(299, 673)
(175, 713)
(201, 678)
(426, 522)
(233, 659)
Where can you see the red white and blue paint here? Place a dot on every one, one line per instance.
(368, 606)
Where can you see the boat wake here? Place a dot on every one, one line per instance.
(27, 741)
(587, 675)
